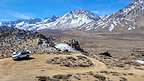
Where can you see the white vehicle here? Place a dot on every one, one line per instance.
(21, 55)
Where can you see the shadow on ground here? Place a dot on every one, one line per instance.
(23, 59)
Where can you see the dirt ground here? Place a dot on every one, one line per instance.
(27, 70)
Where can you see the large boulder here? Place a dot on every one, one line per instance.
(75, 44)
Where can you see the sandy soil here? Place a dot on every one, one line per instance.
(27, 70)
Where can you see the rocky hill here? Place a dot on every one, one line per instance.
(13, 39)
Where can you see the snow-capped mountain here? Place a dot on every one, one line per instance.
(52, 19)
(71, 20)
(28, 24)
(130, 18)
(29, 21)
(23, 24)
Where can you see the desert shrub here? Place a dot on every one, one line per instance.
(100, 77)
(62, 77)
(78, 61)
(123, 79)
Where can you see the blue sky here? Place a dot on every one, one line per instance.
(15, 9)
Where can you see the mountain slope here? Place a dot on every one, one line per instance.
(128, 19)
(71, 20)
(28, 24)
(24, 24)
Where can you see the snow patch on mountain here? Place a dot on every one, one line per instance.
(0, 23)
(111, 27)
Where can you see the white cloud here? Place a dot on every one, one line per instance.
(95, 11)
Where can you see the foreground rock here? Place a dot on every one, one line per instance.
(75, 44)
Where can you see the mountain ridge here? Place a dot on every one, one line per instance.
(76, 17)
(127, 19)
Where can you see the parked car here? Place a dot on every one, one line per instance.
(21, 55)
